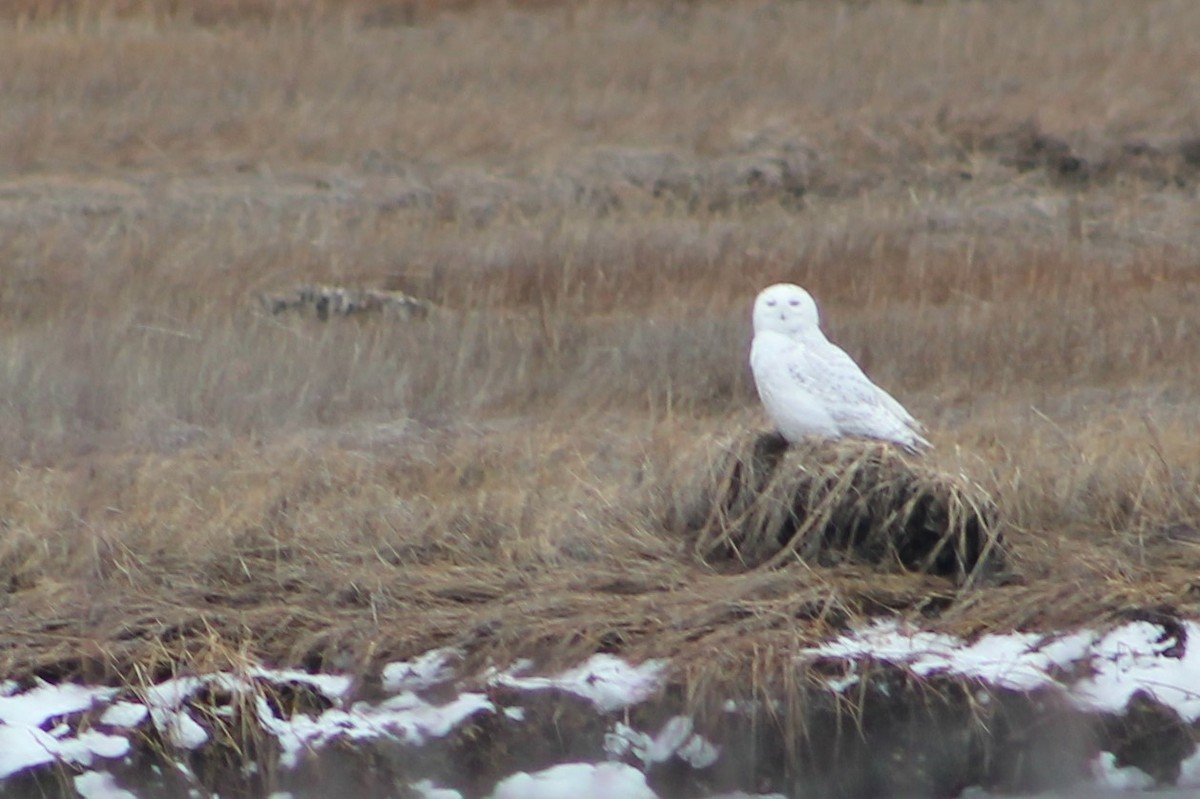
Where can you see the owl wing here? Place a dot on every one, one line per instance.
(858, 406)
(840, 361)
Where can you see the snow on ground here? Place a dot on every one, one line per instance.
(586, 781)
(432, 668)
(425, 789)
(1136, 656)
(125, 714)
(674, 739)
(35, 706)
(24, 743)
(27, 738)
(1189, 772)
(100, 785)
(78, 726)
(165, 702)
(606, 681)
(406, 717)
(577, 781)
(1139, 657)
(1107, 774)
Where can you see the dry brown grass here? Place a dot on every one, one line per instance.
(827, 503)
(992, 202)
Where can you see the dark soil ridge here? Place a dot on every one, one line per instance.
(896, 735)
(1027, 146)
(787, 171)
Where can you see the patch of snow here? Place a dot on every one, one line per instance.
(576, 781)
(125, 714)
(100, 785)
(515, 713)
(887, 640)
(24, 744)
(93, 742)
(418, 720)
(1136, 656)
(180, 728)
(674, 733)
(165, 703)
(406, 717)
(676, 738)
(35, 706)
(430, 669)
(174, 692)
(23, 747)
(622, 739)
(1189, 772)
(1107, 774)
(425, 789)
(698, 752)
(606, 681)
(331, 686)
(1018, 661)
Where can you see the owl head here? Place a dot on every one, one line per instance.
(785, 308)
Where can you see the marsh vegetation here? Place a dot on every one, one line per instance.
(994, 204)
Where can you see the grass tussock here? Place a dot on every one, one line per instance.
(992, 202)
(833, 502)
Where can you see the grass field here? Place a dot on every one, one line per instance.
(993, 202)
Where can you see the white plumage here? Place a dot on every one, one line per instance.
(810, 386)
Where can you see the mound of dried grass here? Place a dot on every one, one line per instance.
(764, 503)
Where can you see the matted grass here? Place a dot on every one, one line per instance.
(830, 502)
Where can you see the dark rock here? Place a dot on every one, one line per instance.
(1150, 736)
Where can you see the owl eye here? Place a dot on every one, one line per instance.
(771, 303)
(793, 303)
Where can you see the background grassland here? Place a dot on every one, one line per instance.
(994, 203)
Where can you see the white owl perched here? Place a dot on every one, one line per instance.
(810, 386)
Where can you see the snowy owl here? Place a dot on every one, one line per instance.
(810, 386)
